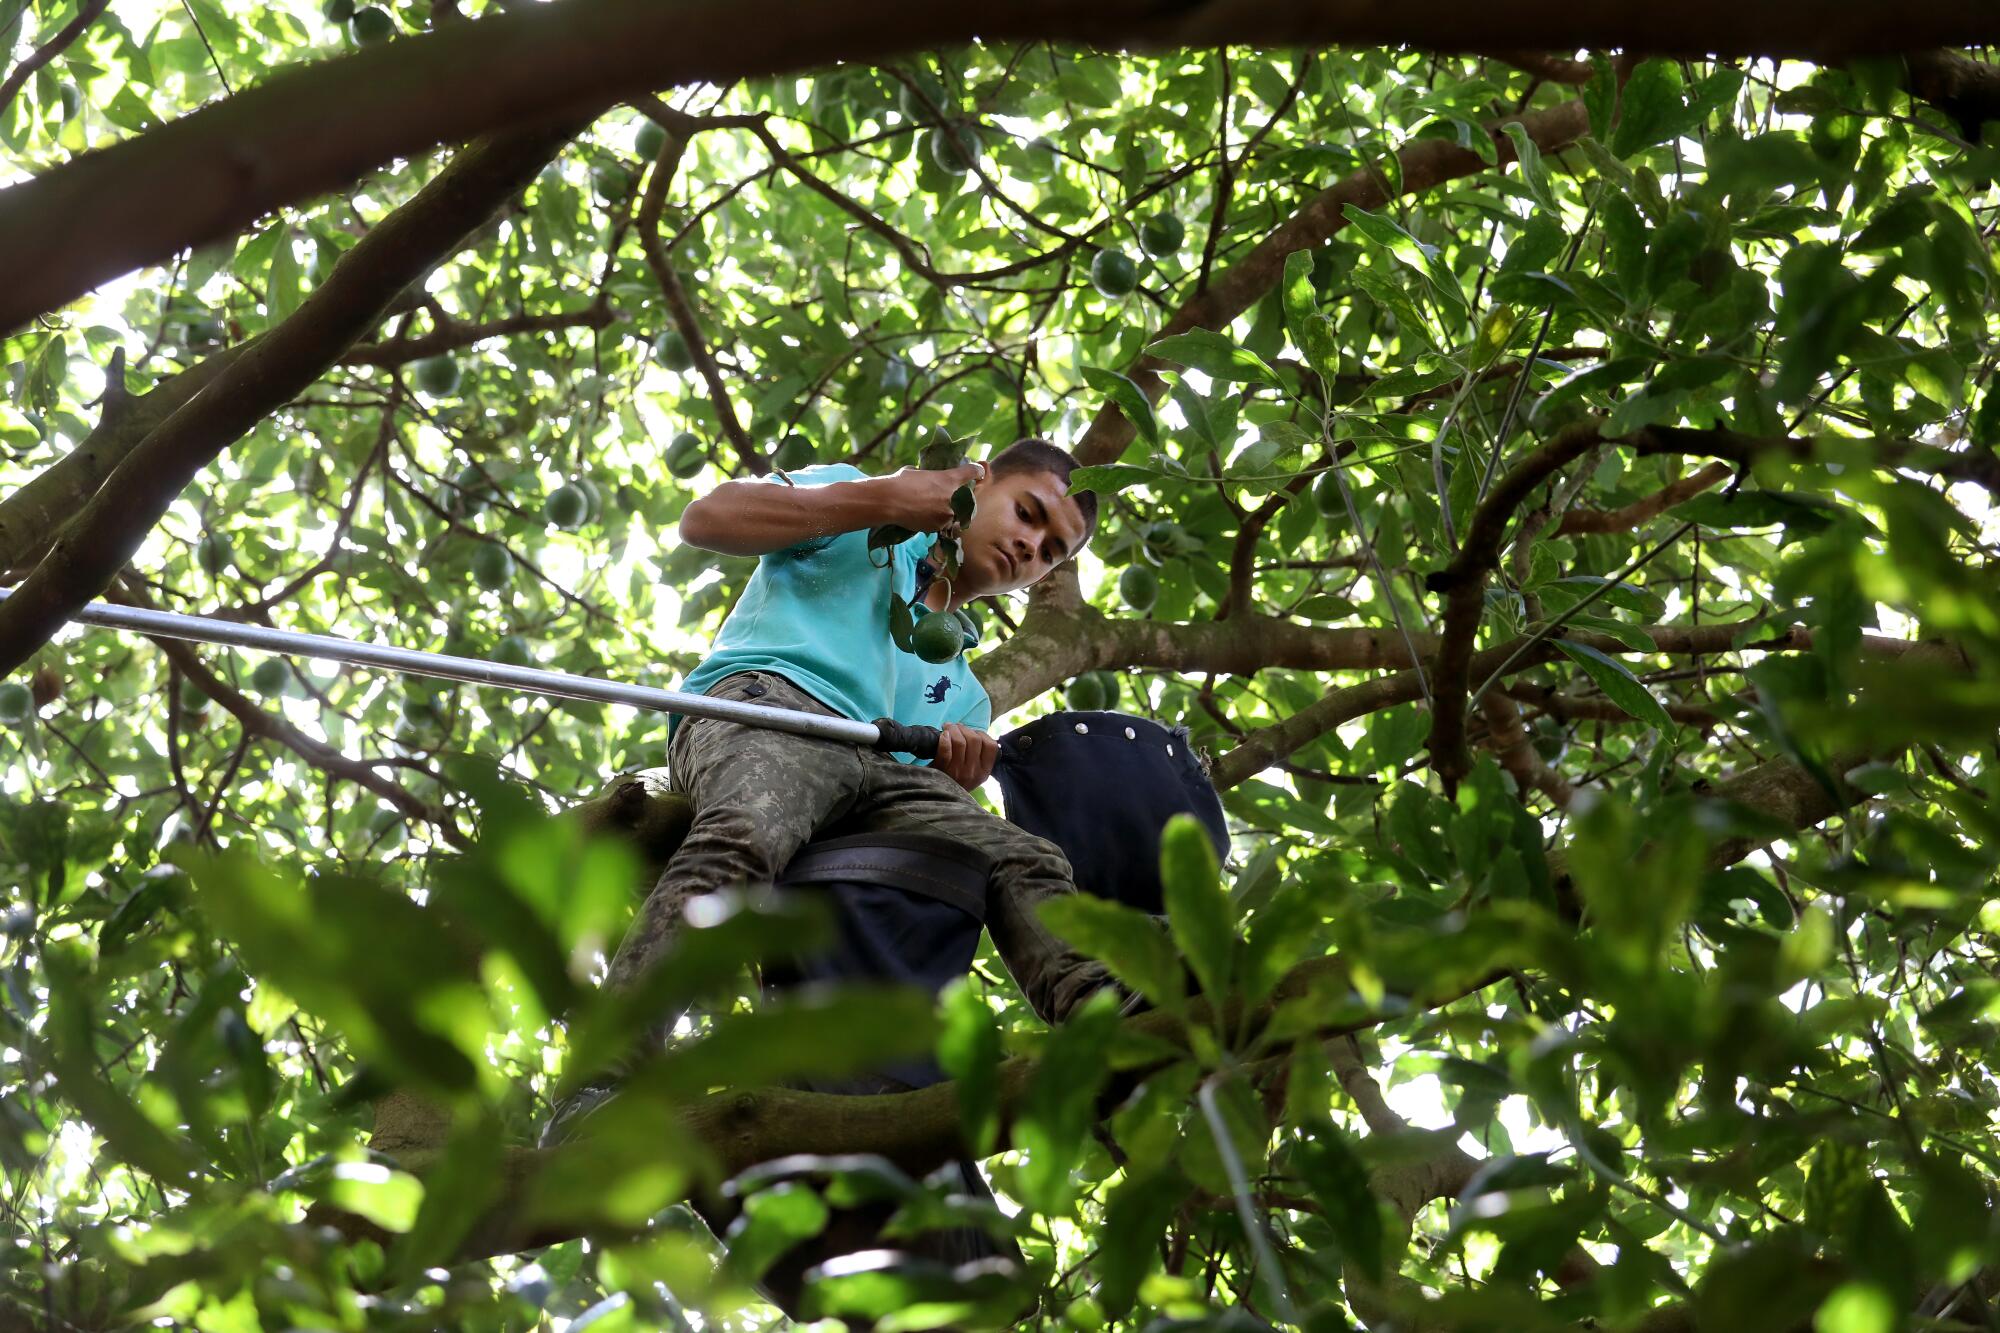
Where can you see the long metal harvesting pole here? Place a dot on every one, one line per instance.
(882, 734)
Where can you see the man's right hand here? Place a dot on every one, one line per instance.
(920, 499)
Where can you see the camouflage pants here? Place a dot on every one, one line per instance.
(759, 796)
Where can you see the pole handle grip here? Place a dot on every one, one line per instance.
(892, 737)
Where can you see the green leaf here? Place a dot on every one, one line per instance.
(823, 1034)
(1127, 941)
(1339, 1183)
(1131, 400)
(71, 1053)
(286, 279)
(1309, 328)
(1110, 478)
(969, 1051)
(772, 1222)
(1198, 910)
(1135, 1217)
(1057, 1112)
(1530, 157)
(1211, 420)
(1618, 683)
(902, 625)
(1215, 356)
(887, 535)
(1650, 107)
(1646, 604)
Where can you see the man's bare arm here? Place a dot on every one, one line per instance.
(758, 517)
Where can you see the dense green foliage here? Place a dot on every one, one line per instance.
(1632, 1081)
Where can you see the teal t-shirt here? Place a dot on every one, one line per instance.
(818, 614)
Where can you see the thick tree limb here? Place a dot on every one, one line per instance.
(30, 516)
(1053, 645)
(90, 550)
(1966, 90)
(209, 174)
(1268, 745)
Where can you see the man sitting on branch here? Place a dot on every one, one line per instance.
(812, 632)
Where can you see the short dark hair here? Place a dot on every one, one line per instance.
(1033, 455)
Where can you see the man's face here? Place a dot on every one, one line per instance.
(1025, 525)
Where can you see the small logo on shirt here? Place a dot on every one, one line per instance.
(934, 694)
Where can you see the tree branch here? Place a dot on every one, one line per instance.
(268, 726)
(1463, 582)
(30, 516)
(1978, 465)
(1643, 511)
(49, 50)
(1425, 164)
(1515, 749)
(211, 173)
(681, 310)
(1966, 90)
(90, 550)
(455, 334)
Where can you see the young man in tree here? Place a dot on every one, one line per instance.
(811, 632)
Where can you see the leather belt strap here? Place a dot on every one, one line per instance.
(924, 864)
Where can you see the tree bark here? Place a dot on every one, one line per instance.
(303, 133)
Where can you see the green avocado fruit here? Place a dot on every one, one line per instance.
(514, 651)
(1085, 694)
(1326, 496)
(17, 703)
(650, 140)
(611, 182)
(271, 676)
(371, 26)
(794, 452)
(685, 456)
(492, 567)
(437, 376)
(1140, 587)
(1113, 273)
(1161, 234)
(567, 507)
(214, 555)
(671, 350)
(938, 637)
(71, 98)
(952, 158)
